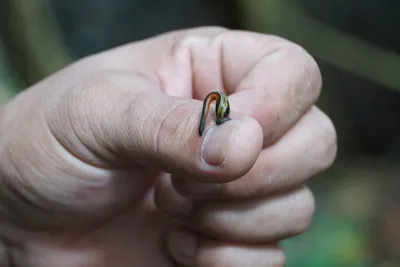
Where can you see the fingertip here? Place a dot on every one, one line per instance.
(233, 146)
(183, 245)
(246, 146)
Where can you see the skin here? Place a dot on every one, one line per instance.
(222, 109)
(101, 164)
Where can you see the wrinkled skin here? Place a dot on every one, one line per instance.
(101, 164)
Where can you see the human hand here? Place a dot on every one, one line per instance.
(93, 157)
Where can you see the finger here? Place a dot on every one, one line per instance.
(168, 201)
(190, 249)
(268, 78)
(262, 220)
(117, 122)
(276, 81)
(255, 221)
(307, 149)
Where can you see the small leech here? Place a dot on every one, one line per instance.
(222, 109)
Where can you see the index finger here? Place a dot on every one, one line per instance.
(273, 81)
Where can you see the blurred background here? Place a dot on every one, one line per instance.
(357, 45)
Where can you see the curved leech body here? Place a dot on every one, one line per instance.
(222, 109)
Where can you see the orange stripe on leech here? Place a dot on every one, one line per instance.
(211, 98)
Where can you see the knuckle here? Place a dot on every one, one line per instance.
(280, 260)
(175, 122)
(308, 69)
(197, 37)
(328, 139)
(313, 72)
(305, 207)
(242, 256)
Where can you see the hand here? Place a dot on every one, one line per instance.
(101, 164)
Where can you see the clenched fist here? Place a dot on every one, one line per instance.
(101, 164)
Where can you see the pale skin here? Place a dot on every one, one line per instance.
(101, 164)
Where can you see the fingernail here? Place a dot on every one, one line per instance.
(217, 142)
(183, 246)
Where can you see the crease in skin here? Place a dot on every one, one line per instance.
(92, 131)
(218, 39)
(246, 75)
(10, 179)
(141, 128)
(104, 162)
(104, 165)
(81, 160)
(171, 112)
(221, 61)
(179, 137)
(186, 43)
(48, 121)
(21, 201)
(118, 158)
(28, 183)
(103, 177)
(193, 76)
(219, 222)
(181, 56)
(273, 138)
(221, 44)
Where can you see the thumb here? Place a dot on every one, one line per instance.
(125, 120)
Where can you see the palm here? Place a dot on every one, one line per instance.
(132, 238)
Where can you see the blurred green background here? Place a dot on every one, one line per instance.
(357, 45)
